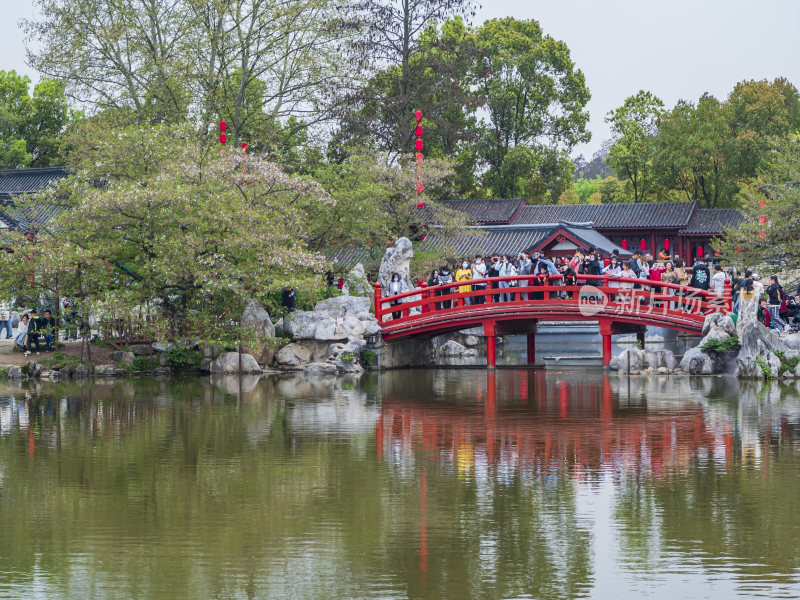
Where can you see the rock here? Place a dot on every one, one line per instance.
(451, 348)
(724, 322)
(255, 317)
(141, 349)
(32, 369)
(697, 362)
(636, 359)
(371, 327)
(350, 327)
(714, 333)
(293, 355)
(205, 365)
(357, 283)
(796, 371)
(163, 372)
(792, 340)
(229, 363)
(117, 356)
(159, 347)
(659, 358)
(316, 367)
(105, 371)
(397, 259)
(668, 359)
(81, 371)
(471, 340)
(614, 364)
(662, 370)
(14, 372)
(344, 305)
(126, 359)
(758, 342)
(121, 373)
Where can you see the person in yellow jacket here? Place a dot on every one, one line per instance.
(464, 274)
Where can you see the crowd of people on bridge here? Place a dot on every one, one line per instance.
(775, 308)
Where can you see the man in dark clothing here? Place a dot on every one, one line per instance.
(47, 326)
(289, 298)
(593, 267)
(701, 276)
(633, 262)
(34, 329)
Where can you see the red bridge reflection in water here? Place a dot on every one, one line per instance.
(536, 426)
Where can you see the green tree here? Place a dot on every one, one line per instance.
(176, 228)
(771, 208)
(635, 124)
(534, 97)
(694, 153)
(31, 125)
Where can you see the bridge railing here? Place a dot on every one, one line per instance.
(600, 293)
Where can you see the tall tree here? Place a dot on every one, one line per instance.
(534, 97)
(31, 125)
(169, 59)
(693, 153)
(635, 125)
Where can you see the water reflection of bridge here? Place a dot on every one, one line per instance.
(537, 424)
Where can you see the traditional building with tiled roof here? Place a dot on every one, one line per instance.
(16, 182)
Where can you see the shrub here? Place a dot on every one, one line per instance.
(144, 363)
(369, 358)
(3, 373)
(788, 364)
(348, 357)
(765, 370)
(178, 357)
(730, 344)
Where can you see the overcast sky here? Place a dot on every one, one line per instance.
(674, 48)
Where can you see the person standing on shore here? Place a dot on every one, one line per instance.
(5, 317)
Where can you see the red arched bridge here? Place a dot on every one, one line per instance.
(514, 305)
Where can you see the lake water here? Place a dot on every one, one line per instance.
(408, 484)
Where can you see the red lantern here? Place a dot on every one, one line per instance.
(223, 126)
(223, 139)
(419, 145)
(699, 252)
(666, 245)
(762, 203)
(418, 131)
(422, 238)
(244, 146)
(420, 205)
(762, 219)
(716, 252)
(418, 115)
(419, 158)
(643, 244)
(419, 187)
(624, 244)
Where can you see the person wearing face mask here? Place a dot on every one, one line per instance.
(396, 286)
(525, 268)
(464, 274)
(445, 277)
(478, 272)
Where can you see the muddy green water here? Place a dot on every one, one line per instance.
(410, 484)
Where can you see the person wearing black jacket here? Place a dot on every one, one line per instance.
(776, 297)
(34, 329)
(633, 262)
(47, 327)
(701, 276)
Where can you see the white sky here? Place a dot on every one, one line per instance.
(674, 48)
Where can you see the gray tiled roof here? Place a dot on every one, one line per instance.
(607, 216)
(713, 221)
(25, 181)
(500, 211)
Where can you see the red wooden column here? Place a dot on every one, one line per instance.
(489, 333)
(605, 331)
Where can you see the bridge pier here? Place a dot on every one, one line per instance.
(532, 347)
(489, 332)
(605, 331)
(640, 338)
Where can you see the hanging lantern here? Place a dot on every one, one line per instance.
(223, 126)
(244, 146)
(716, 252)
(419, 145)
(699, 252)
(419, 187)
(419, 158)
(762, 203)
(666, 245)
(762, 219)
(418, 131)
(418, 115)
(624, 244)
(420, 205)
(223, 139)
(422, 238)
(643, 244)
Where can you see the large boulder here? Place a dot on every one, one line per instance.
(256, 318)
(721, 321)
(344, 305)
(714, 333)
(758, 343)
(293, 355)
(397, 259)
(229, 363)
(357, 283)
(452, 348)
(697, 362)
(659, 359)
(636, 359)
